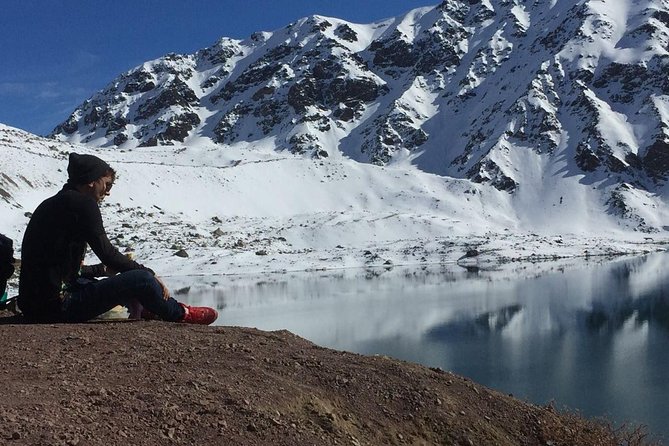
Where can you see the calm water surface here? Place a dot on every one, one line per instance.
(592, 336)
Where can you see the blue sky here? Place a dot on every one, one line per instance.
(57, 53)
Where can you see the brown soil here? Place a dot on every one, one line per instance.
(155, 383)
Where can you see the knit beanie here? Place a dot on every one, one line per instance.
(83, 169)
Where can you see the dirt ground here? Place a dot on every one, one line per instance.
(155, 383)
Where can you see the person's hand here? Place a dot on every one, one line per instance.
(109, 272)
(166, 292)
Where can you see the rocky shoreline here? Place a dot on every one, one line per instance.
(154, 383)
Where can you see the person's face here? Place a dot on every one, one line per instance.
(101, 187)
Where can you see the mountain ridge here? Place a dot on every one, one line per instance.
(500, 92)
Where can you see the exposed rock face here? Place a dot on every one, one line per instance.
(394, 52)
(488, 171)
(656, 161)
(475, 90)
(139, 81)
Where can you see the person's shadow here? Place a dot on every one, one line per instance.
(9, 318)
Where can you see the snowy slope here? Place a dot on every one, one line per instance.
(241, 210)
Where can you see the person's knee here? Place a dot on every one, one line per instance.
(144, 279)
(144, 275)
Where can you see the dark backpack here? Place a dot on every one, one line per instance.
(6, 262)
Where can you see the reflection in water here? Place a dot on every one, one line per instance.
(653, 308)
(591, 336)
(481, 325)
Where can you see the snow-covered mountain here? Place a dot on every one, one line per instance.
(516, 94)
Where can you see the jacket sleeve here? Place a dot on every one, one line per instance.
(91, 271)
(97, 239)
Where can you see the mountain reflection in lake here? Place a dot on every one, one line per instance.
(589, 335)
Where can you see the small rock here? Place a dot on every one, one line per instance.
(181, 253)
(261, 252)
(471, 253)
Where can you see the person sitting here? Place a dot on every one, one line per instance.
(54, 283)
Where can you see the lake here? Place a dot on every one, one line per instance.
(591, 335)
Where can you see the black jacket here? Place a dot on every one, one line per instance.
(53, 250)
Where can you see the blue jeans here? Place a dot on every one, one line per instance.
(89, 299)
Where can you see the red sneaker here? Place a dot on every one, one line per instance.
(199, 315)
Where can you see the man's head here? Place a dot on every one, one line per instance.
(90, 175)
